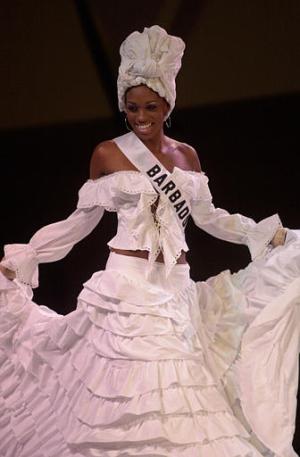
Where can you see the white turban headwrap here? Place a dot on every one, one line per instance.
(152, 58)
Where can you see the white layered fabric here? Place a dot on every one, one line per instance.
(151, 364)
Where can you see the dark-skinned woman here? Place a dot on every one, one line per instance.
(151, 363)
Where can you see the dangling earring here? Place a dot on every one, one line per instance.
(126, 124)
(168, 122)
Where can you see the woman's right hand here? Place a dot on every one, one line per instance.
(9, 274)
(279, 237)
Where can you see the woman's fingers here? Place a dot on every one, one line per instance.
(279, 237)
(9, 274)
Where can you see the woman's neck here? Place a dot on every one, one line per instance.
(155, 144)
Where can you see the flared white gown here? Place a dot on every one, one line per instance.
(152, 364)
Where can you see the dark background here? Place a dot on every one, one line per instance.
(238, 105)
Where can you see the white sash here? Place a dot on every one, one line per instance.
(161, 179)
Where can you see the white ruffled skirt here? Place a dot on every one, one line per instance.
(149, 366)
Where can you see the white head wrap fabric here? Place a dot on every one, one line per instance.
(152, 58)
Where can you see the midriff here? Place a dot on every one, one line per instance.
(145, 255)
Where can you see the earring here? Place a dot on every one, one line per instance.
(126, 124)
(168, 122)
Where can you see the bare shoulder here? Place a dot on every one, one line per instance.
(101, 158)
(190, 154)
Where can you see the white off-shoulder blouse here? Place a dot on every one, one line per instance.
(131, 195)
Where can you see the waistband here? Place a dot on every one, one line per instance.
(138, 268)
(116, 260)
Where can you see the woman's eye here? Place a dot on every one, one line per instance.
(132, 108)
(152, 107)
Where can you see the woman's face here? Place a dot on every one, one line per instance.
(145, 111)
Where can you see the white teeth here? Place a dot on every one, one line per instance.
(144, 126)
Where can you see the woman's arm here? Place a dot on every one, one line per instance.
(54, 241)
(50, 243)
(235, 227)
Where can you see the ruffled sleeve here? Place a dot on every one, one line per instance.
(231, 227)
(22, 259)
(51, 243)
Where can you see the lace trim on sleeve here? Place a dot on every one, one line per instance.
(22, 259)
(260, 237)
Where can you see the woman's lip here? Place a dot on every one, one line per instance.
(144, 126)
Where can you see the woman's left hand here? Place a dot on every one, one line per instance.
(9, 274)
(279, 237)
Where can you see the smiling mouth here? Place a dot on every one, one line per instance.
(143, 127)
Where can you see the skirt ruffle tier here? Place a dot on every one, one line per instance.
(145, 366)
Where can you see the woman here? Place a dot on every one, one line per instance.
(151, 363)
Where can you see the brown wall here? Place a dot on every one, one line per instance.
(235, 50)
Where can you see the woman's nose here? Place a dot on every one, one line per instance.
(141, 115)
